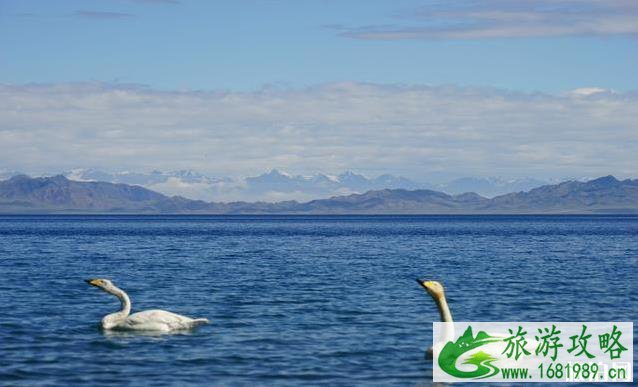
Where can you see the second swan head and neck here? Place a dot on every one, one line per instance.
(436, 291)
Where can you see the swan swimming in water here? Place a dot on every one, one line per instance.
(435, 289)
(149, 320)
(495, 341)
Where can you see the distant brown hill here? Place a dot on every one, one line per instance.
(57, 194)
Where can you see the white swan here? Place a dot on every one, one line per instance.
(149, 320)
(435, 289)
(494, 342)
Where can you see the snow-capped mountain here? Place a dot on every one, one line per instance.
(137, 178)
(490, 186)
(278, 185)
(7, 174)
(272, 186)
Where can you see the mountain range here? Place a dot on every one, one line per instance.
(58, 194)
(277, 185)
(271, 186)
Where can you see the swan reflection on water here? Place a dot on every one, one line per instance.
(123, 334)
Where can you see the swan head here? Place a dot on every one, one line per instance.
(101, 283)
(434, 288)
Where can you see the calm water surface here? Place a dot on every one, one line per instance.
(292, 300)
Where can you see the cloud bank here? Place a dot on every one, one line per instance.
(467, 19)
(408, 130)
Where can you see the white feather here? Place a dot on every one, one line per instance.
(155, 320)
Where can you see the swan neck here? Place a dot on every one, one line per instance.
(444, 309)
(446, 317)
(113, 319)
(124, 300)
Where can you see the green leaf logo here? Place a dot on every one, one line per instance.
(452, 351)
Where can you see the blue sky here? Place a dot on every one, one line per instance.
(243, 45)
(543, 88)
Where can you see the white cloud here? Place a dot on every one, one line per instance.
(587, 91)
(408, 130)
(468, 19)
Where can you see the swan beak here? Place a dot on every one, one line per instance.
(421, 282)
(93, 282)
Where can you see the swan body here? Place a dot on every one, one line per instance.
(158, 320)
(154, 320)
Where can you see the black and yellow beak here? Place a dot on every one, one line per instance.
(421, 282)
(93, 282)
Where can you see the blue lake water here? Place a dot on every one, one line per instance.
(292, 300)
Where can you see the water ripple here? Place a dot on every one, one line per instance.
(292, 300)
